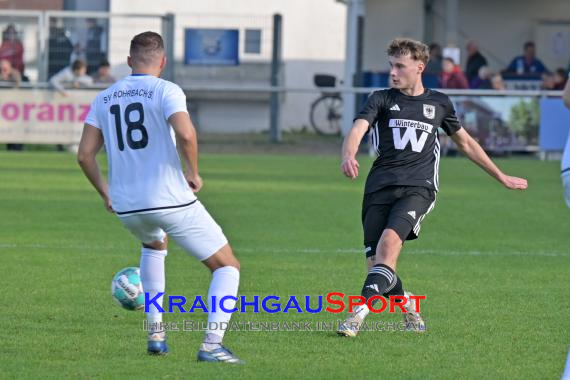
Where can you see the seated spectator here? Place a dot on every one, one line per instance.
(74, 76)
(475, 61)
(547, 81)
(497, 82)
(560, 78)
(526, 63)
(452, 76)
(103, 74)
(483, 79)
(435, 60)
(12, 48)
(9, 76)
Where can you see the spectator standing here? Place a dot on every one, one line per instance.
(434, 65)
(475, 60)
(12, 48)
(59, 48)
(94, 45)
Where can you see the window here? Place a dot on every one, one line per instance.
(253, 41)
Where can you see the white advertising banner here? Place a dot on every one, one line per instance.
(36, 116)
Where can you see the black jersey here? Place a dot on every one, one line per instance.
(403, 130)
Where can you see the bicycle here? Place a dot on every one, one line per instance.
(326, 110)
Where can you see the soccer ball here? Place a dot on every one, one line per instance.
(126, 289)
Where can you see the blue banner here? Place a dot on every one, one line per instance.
(211, 46)
(554, 124)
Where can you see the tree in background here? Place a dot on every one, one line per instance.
(524, 120)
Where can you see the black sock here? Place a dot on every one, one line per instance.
(378, 281)
(396, 289)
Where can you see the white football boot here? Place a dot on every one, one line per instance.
(413, 319)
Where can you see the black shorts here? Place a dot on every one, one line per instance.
(401, 208)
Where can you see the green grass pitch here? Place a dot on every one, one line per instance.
(494, 264)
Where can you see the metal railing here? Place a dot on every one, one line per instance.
(37, 30)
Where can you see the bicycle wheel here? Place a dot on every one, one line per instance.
(326, 114)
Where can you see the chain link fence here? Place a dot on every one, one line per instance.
(40, 44)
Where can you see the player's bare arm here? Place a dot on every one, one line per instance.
(350, 146)
(91, 142)
(475, 153)
(566, 94)
(187, 142)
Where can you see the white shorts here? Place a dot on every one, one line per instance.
(566, 186)
(191, 227)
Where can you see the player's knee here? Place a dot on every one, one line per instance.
(213, 266)
(158, 245)
(229, 258)
(390, 240)
(388, 248)
(222, 258)
(232, 262)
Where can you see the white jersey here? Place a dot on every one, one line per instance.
(566, 154)
(145, 173)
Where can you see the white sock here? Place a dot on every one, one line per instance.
(225, 282)
(153, 282)
(361, 310)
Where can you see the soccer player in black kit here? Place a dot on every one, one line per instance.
(401, 187)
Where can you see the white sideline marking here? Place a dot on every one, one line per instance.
(406, 252)
(302, 250)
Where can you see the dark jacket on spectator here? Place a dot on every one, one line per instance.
(534, 67)
(474, 63)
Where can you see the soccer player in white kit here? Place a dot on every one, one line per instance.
(566, 155)
(141, 120)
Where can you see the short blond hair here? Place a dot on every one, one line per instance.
(417, 50)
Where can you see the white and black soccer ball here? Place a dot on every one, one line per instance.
(126, 289)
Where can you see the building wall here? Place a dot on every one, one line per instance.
(384, 21)
(87, 5)
(500, 27)
(43, 5)
(313, 42)
(312, 29)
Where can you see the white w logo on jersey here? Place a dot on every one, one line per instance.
(409, 136)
